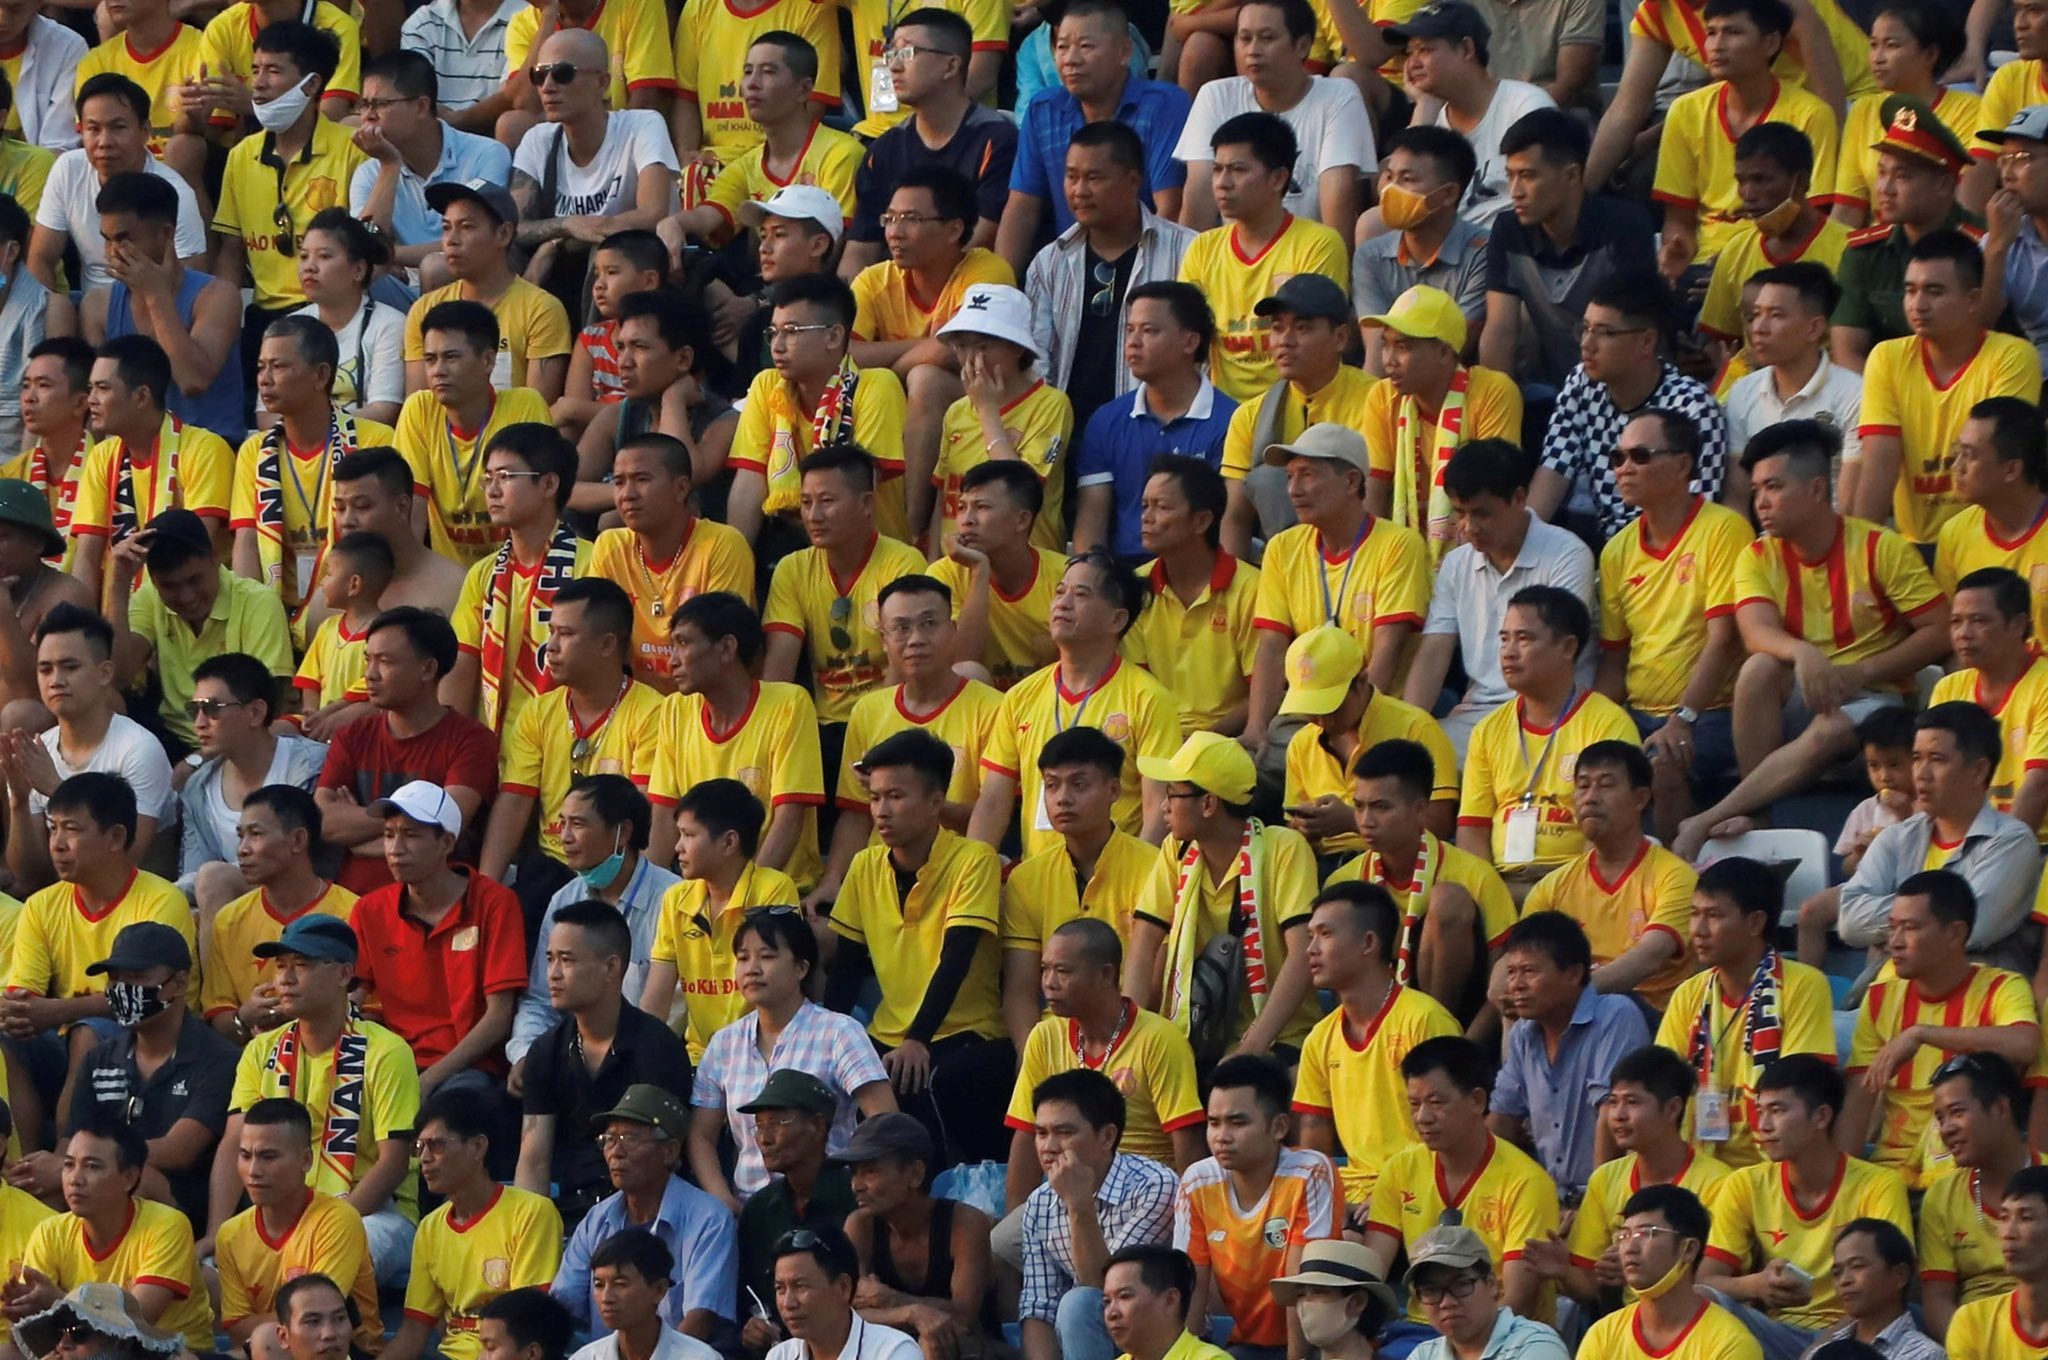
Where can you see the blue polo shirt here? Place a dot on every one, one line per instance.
(464, 157)
(1153, 109)
(1122, 439)
(1561, 1097)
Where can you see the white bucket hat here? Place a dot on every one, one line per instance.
(995, 309)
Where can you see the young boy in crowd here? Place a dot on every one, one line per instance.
(624, 263)
(330, 679)
(1886, 737)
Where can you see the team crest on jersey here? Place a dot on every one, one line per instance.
(751, 777)
(1685, 568)
(1568, 766)
(322, 194)
(1275, 1233)
(871, 614)
(1117, 726)
(497, 1273)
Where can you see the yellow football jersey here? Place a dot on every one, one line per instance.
(480, 626)
(700, 947)
(1713, 1334)
(1969, 541)
(2022, 713)
(775, 434)
(20, 1213)
(1991, 1329)
(713, 557)
(1203, 650)
(1018, 643)
(1314, 771)
(457, 1268)
(1149, 1061)
(711, 42)
(2011, 88)
(548, 749)
(1613, 1184)
(334, 665)
(1677, 24)
(1508, 1201)
(773, 751)
(1040, 423)
(1351, 1075)
(1235, 282)
(1747, 254)
(839, 621)
(1854, 602)
(345, 1133)
(1492, 410)
(58, 936)
(249, 197)
(1756, 1218)
(24, 170)
(1657, 602)
(1044, 892)
(963, 722)
(531, 325)
(1855, 186)
(1959, 1235)
(159, 73)
(1379, 581)
(304, 498)
(635, 34)
(1654, 894)
(233, 971)
(1507, 772)
(959, 885)
(830, 161)
(327, 1238)
(1127, 705)
(230, 46)
(1989, 997)
(1901, 398)
(1344, 400)
(1806, 1024)
(188, 469)
(1696, 155)
(888, 308)
(1285, 885)
(448, 467)
(154, 1248)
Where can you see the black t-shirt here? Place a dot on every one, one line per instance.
(559, 1083)
(1613, 237)
(196, 1082)
(1099, 339)
(983, 149)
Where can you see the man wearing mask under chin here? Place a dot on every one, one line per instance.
(1662, 1237)
(263, 215)
(1338, 1301)
(166, 1072)
(1423, 178)
(1773, 176)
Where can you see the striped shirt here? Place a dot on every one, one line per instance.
(469, 70)
(599, 341)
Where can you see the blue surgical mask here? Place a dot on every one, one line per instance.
(605, 872)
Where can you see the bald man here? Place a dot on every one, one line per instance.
(613, 170)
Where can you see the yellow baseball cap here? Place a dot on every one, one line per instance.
(1211, 762)
(1424, 313)
(1321, 664)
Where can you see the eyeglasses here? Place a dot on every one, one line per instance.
(1637, 455)
(609, 1141)
(840, 616)
(379, 105)
(506, 477)
(78, 1334)
(1102, 302)
(903, 52)
(1191, 793)
(1646, 1233)
(437, 1146)
(792, 332)
(781, 1121)
(211, 708)
(1604, 333)
(564, 72)
(910, 628)
(1457, 1290)
(2016, 159)
(907, 219)
(1961, 1065)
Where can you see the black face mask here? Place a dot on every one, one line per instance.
(133, 1002)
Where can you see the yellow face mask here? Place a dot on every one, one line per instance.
(1779, 218)
(1670, 1280)
(1403, 208)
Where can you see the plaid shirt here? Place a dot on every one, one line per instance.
(830, 1046)
(1134, 1204)
(1587, 424)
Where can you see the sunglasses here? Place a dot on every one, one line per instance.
(841, 616)
(1637, 455)
(281, 218)
(564, 72)
(210, 708)
(1103, 300)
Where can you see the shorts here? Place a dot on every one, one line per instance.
(1713, 743)
(1798, 717)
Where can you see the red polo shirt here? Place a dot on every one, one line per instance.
(431, 984)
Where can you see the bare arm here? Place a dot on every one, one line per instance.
(1337, 193)
(536, 1153)
(1547, 493)
(1291, 987)
(991, 810)
(1269, 679)
(785, 825)
(1143, 969)
(781, 656)
(1198, 200)
(1621, 975)
(1634, 98)
(1019, 228)
(1431, 667)
(511, 815)
(485, 1037)
(1882, 455)
(1094, 510)
(1578, 66)
(705, 1127)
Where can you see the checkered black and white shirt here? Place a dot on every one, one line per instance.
(1587, 425)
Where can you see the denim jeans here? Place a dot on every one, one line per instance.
(1080, 1327)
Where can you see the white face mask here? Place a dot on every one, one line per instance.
(1325, 1321)
(281, 112)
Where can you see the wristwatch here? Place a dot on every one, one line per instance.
(1689, 716)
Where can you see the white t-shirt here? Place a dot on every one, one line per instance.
(672, 1345)
(1489, 191)
(1330, 124)
(129, 751)
(71, 206)
(375, 340)
(633, 140)
(866, 1342)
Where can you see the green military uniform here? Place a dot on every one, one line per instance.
(1873, 270)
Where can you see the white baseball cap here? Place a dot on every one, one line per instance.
(798, 202)
(995, 309)
(427, 804)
